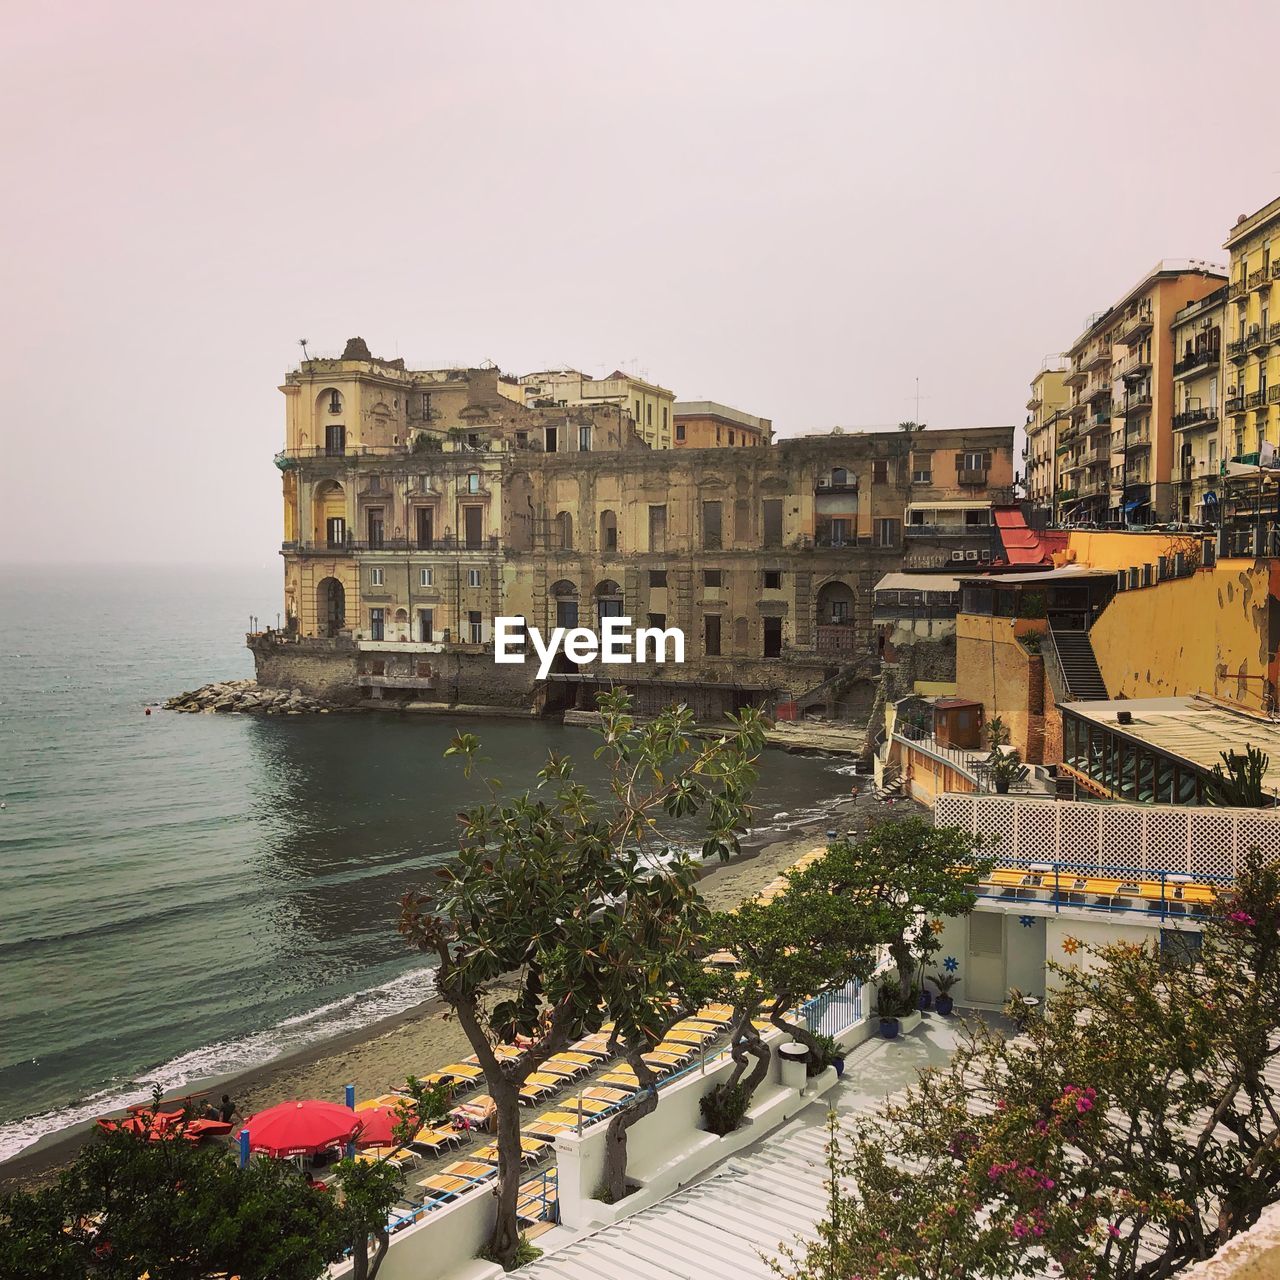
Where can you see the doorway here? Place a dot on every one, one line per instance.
(474, 526)
(331, 607)
(377, 624)
(984, 978)
(773, 637)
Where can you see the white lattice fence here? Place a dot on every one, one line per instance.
(1090, 837)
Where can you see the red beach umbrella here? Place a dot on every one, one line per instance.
(380, 1124)
(301, 1128)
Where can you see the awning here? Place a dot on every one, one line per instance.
(1133, 506)
(949, 504)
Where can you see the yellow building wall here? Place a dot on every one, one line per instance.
(994, 669)
(1172, 639)
(1120, 550)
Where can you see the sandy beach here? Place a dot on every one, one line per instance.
(423, 1038)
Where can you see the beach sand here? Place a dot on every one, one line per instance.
(422, 1039)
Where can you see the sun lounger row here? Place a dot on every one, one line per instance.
(1031, 884)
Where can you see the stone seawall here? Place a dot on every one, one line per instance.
(328, 674)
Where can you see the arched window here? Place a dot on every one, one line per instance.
(335, 400)
(839, 476)
(564, 531)
(565, 595)
(608, 599)
(608, 531)
(835, 604)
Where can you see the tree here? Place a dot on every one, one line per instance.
(368, 1190)
(1131, 1130)
(179, 1211)
(533, 922)
(898, 877)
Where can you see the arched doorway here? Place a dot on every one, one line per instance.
(331, 606)
(835, 604)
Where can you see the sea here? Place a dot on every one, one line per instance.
(188, 896)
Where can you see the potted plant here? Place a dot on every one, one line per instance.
(944, 982)
(889, 1007)
(1005, 767)
(828, 1054)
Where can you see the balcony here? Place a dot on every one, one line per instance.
(971, 478)
(1235, 404)
(1075, 376)
(1196, 418)
(1258, 278)
(1261, 335)
(845, 486)
(1237, 350)
(1204, 358)
(1236, 289)
(1136, 325)
(401, 545)
(1273, 394)
(1102, 392)
(1255, 399)
(1136, 403)
(1134, 365)
(1138, 441)
(948, 530)
(1097, 358)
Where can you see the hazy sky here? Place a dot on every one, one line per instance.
(794, 208)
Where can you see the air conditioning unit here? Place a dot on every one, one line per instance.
(986, 555)
(957, 555)
(970, 555)
(824, 484)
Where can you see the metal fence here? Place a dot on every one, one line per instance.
(834, 1011)
(1148, 840)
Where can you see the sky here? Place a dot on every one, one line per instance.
(796, 209)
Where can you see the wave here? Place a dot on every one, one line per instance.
(226, 1057)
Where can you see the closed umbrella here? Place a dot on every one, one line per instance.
(301, 1128)
(380, 1124)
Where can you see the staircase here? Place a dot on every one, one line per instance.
(1078, 666)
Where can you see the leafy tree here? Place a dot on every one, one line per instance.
(1242, 782)
(550, 912)
(896, 878)
(1129, 1131)
(175, 1210)
(368, 1189)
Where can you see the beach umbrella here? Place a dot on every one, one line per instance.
(380, 1124)
(301, 1128)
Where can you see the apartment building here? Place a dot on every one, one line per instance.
(650, 407)
(704, 424)
(1120, 464)
(1197, 418)
(1047, 414)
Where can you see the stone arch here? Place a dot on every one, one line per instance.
(402, 615)
(331, 607)
(329, 505)
(608, 594)
(835, 603)
(608, 530)
(329, 407)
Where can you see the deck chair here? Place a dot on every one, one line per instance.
(531, 1151)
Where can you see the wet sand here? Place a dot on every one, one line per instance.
(423, 1038)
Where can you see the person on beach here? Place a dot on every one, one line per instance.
(224, 1111)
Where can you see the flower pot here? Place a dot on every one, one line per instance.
(838, 1063)
(889, 1028)
(945, 1005)
(926, 1000)
(1002, 786)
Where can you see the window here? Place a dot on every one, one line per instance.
(679, 429)
(426, 627)
(424, 517)
(373, 522)
(731, 439)
(375, 577)
(648, 415)
(839, 477)
(773, 579)
(335, 529)
(973, 460)
(473, 482)
(741, 521)
(880, 471)
(658, 620)
(711, 635)
(335, 402)
(426, 578)
(638, 419)
(550, 439)
(712, 577)
(335, 440)
(473, 525)
(564, 530)
(475, 627)
(922, 468)
(887, 533)
(426, 405)
(473, 577)
(657, 578)
(658, 528)
(664, 417)
(711, 526)
(740, 637)
(584, 439)
(772, 637)
(771, 510)
(608, 531)
(717, 435)
(522, 439)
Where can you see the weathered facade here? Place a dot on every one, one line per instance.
(419, 506)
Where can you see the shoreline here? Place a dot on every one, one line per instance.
(422, 1038)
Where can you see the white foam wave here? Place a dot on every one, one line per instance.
(226, 1057)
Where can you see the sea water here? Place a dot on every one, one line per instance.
(189, 895)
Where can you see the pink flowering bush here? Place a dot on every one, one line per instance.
(1124, 1134)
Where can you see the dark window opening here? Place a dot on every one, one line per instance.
(773, 637)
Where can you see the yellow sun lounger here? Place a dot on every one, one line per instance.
(694, 1038)
(590, 1106)
(561, 1070)
(436, 1140)
(622, 1078)
(531, 1151)
(607, 1095)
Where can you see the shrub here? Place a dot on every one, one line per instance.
(723, 1107)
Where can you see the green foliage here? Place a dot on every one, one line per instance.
(997, 733)
(723, 1107)
(427, 444)
(893, 1002)
(943, 982)
(1005, 767)
(368, 1191)
(526, 1252)
(1127, 1132)
(563, 908)
(1241, 784)
(173, 1209)
(822, 1053)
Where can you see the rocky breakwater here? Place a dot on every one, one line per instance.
(248, 697)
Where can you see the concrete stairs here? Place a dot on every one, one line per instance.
(1078, 666)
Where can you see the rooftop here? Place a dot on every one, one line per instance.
(1196, 729)
(1246, 226)
(918, 582)
(1164, 269)
(712, 409)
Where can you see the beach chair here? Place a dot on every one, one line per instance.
(531, 1151)
(458, 1178)
(476, 1114)
(435, 1142)
(564, 1068)
(587, 1061)
(603, 1094)
(539, 1087)
(589, 1106)
(596, 1047)
(549, 1129)
(720, 1014)
(537, 1198)
(694, 1038)
(621, 1078)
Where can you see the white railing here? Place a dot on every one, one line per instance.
(1148, 839)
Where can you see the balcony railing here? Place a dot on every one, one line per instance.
(1237, 350)
(1235, 289)
(1255, 399)
(1258, 278)
(1097, 357)
(971, 477)
(1135, 325)
(1273, 394)
(1235, 404)
(1205, 357)
(490, 543)
(346, 451)
(1195, 418)
(1261, 335)
(1137, 403)
(946, 530)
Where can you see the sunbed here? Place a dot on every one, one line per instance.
(434, 1141)
(531, 1151)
